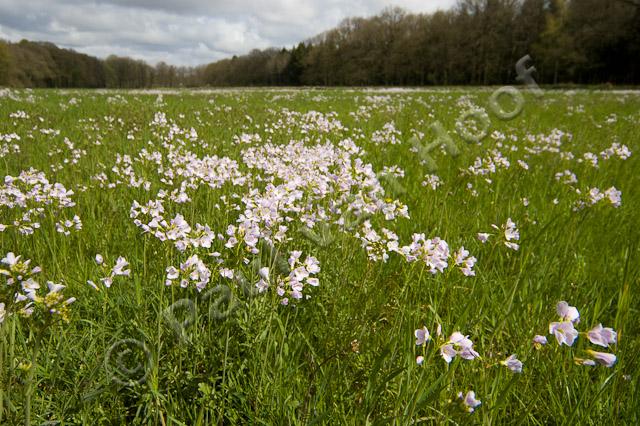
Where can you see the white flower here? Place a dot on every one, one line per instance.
(483, 237)
(107, 281)
(512, 246)
(226, 272)
(465, 261)
(294, 256)
(119, 268)
(510, 231)
(92, 284)
(614, 196)
(10, 259)
(172, 274)
(195, 270)
(433, 181)
(54, 288)
(262, 285)
(448, 353)
(312, 265)
(264, 273)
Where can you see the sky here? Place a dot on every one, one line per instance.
(184, 32)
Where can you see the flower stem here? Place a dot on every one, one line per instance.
(29, 390)
(2, 347)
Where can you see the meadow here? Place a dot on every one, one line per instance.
(314, 257)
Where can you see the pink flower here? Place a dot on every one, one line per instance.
(422, 336)
(568, 313)
(458, 344)
(513, 364)
(539, 341)
(564, 331)
(448, 353)
(469, 400)
(602, 336)
(119, 268)
(603, 358)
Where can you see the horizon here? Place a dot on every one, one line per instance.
(191, 34)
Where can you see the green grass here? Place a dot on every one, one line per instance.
(273, 364)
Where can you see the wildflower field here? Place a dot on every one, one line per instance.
(319, 257)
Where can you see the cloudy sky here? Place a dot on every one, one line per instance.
(183, 32)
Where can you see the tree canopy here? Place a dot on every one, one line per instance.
(476, 42)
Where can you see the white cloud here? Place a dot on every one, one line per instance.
(189, 32)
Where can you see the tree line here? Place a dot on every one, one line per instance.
(43, 64)
(476, 42)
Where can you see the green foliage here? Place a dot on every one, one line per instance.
(4, 63)
(347, 355)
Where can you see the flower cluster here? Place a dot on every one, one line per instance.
(109, 274)
(567, 177)
(176, 230)
(432, 181)
(595, 196)
(509, 233)
(6, 145)
(193, 270)
(29, 193)
(460, 345)
(434, 253)
(464, 261)
(489, 165)
(566, 334)
(387, 135)
(377, 246)
(65, 226)
(22, 294)
(621, 151)
(456, 345)
(301, 274)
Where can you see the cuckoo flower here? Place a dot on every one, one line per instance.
(564, 332)
(513, 364)
(422, 336)
(602, 336)
(469, 400)
(603, 358)
(458, 344)
(568, 313)
(539, 341)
